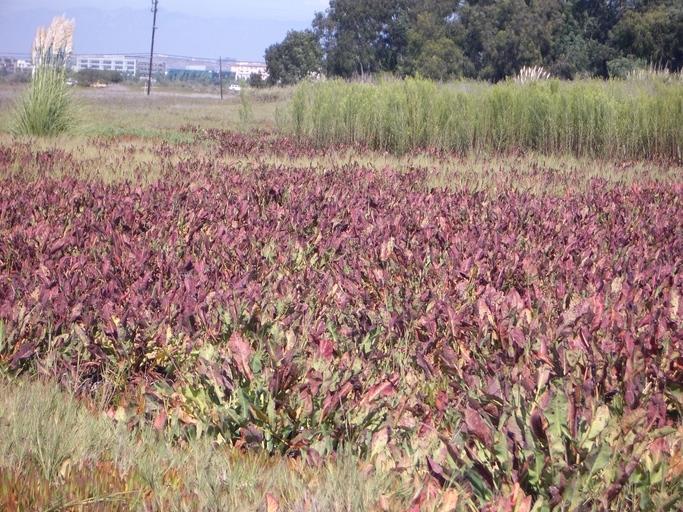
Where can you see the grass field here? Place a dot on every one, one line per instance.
(203, 309)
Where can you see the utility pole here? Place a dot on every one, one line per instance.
(220, 73)
(155, 6)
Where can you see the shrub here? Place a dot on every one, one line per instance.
(246, 109)
(46, 108)
(257, 81)
(88, 77)
(18, 77)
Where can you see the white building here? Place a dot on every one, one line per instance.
(244, 70)
(24, 64)
(158, 68)
(120, 63)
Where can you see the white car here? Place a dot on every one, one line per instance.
(235, 87)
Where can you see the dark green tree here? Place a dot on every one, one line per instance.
(257, 81)
(502, 37)
(298, 55)
(591, 22)
(653, 33)
(87, 77)
(435, 41)
(363, 36)
(494, 39)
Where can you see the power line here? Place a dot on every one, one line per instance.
(151, 53)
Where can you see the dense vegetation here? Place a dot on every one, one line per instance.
(506, 348)
(629, 119)
(486, 39)
(55, 454)
(412, 296)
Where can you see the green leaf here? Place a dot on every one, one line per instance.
(479, 486)
(541, 505)
(536, 466)
(3, 335)
(600, 420)
(255, 364)
(208, 352)
(258, 414)
(557, 430)
(500, 450)
(602, 458)
(663, 432)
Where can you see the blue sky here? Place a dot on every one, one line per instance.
(194, 28)
(301, 10)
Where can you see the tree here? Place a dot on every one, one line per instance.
(433, 48)
(502, 37)
(256, 81)
(591, 23)
(87, 77)
(363, 36)
(655, 35)
(297, 56)
(494, 39)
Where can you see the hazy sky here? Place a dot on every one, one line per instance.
(197, 28)
(301, 10)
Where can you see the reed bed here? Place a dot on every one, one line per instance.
(622, 119)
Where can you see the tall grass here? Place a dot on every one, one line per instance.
(587, 118)
(245, 109)
(46, 108)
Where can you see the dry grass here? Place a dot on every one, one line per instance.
(119, 109)
(143, 158)
(52, 444)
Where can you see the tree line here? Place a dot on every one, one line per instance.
(482, 39)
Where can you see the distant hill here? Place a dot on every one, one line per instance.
(129, 31)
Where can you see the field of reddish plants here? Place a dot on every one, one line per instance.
(524, 349)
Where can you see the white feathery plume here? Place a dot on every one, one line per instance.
(38, 46)
(63, 30)
(49, 42)
(56, 32)
(528, 74)
(69, 30)
(46, 107)
(52, 46)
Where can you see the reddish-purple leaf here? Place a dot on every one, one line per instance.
(383, 389)
(436, 471)
(326, 349)
(24, 352)
(241, 353)
(476, 426)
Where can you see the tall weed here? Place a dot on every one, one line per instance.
(246, 109)
(634, 119)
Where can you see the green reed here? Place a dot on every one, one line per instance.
(624, 119)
